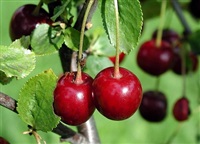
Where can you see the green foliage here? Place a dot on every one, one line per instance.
(96, 63)
(35, 102)
(72, 39)
(61, 10)
(16, 60)
(48, 1)
(130, 20)
(4, 79)
(194, 42)
(46, 40)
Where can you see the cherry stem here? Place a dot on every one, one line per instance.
(116, 67)
(183, 72)
(160, 28)
(37, 9)
(174, 134)
(157, 84)
(79, 75)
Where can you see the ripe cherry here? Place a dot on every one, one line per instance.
(121, 58)
(168, 35)
(117, 98)
(153, 107)
(3, 141)
(24, 21)
(73, 101)
(155, 60)
(191, 62)
(181, 109)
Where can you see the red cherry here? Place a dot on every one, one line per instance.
(191, 62)
(181, 109)
(153, 107)
(168, 35)
(3, 141)
(73, 102)
(155, 60)
(117, 98)
(121, 58)
(23, 21)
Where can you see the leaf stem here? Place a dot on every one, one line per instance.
(160, 28)
(79, 75)
(116, 66)
(37, 9)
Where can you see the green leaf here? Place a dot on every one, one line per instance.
(48, 1)
(16, 60)
(35, 103)
(194, 42)
(4, 79)
(59, 10)
(24, 42)
(72, 39)
(130, 22)
(94, 64)
(46, 40)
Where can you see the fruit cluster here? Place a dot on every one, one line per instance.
(115, 98)
(75, 100)
(156, 60)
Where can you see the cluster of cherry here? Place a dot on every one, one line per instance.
(157, 59)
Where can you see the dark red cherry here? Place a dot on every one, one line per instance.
(155, 60)
(23, 21)
(181, 109)
(168, 35)
(117, 98)
(3, 141)
(191, 62)
(153, 107)
(121, 58)
(73, 101)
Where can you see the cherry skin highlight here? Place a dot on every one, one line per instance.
(117, 98)
(23, 21)
(154, 106)
(155, 60)
(181, 110)
(73, 101)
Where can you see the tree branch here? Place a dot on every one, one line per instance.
(65, 132)
(181, 17)
(8, 102)
(79, 21)
(87, 129)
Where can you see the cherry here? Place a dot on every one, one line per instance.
(121, 58)
(117, 98)
(155, 60)
(24, 21)
(194, 8)
(153, 107)
(191, 62)
(3, 141)
(73, 101)
(168, 35)
(181, 109)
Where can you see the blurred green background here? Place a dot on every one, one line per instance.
(135, 130)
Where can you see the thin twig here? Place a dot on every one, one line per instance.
(8, 102)
(65, 132)
(180, 15)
